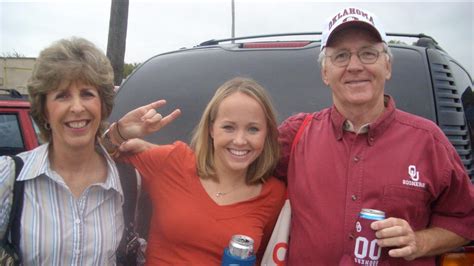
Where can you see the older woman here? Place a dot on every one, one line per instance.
(72, 207)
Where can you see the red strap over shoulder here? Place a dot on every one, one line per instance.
(306, 121)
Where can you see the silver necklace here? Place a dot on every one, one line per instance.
(220, 194)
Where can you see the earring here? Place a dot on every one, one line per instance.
(47, 126)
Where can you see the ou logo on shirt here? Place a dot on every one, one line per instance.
(414, 175)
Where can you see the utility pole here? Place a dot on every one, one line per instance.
(117, 37)
(233, 21)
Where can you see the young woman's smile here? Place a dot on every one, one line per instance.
(239, 133)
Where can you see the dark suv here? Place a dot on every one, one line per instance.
(425, 81)
(17, 129)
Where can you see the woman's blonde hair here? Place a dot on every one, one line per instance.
(70, 60)
(202, 143)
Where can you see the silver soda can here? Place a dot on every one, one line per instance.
(366, 250)
(241, 246)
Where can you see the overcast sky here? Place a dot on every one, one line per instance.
(158, 26)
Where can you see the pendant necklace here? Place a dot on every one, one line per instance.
(220, 194)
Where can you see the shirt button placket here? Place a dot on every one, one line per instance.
(354, 192)
(78, 228)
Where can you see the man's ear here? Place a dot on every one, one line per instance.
(324, 76)
(388, 67)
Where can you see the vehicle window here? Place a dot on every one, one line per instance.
(464, 86)
(37, 131)
(11, 141)
(468, 104)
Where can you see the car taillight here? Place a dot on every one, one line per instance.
(275, 44)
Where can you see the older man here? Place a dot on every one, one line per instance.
(364, 153)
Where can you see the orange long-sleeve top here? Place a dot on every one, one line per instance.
(187, 226)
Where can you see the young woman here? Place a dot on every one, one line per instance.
(220, 186)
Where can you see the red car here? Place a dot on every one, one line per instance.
(18, 132)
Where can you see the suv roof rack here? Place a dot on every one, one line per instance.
(423, 39)
(13, 93)
(215, 42)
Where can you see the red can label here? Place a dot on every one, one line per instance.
(366, 250)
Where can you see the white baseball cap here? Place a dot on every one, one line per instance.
(352, 16)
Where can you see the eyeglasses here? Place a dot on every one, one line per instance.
(366, 55)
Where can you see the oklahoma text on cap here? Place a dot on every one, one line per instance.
(352, 16)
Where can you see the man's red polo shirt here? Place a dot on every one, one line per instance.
(404, 165)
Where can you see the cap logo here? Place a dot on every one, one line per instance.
(350, 11)
(350, 19)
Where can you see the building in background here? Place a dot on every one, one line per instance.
(15, 72)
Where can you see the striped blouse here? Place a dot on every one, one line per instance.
(56, 227)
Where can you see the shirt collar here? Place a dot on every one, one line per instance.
(36, 164)
(373, 130)
(348, 126)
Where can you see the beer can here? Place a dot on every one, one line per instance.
(366, 249)
(241, 246)
(371, 214)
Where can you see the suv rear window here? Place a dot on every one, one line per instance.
(425, 81)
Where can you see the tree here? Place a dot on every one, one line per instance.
(117, 37)
(13, 54)
(128, 68)
(396, 42)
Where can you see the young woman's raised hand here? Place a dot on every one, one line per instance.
(145, 120)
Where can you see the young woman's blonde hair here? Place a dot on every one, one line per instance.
(64, 62)
(202, 142)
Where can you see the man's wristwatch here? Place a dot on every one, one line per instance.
(111, 147)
